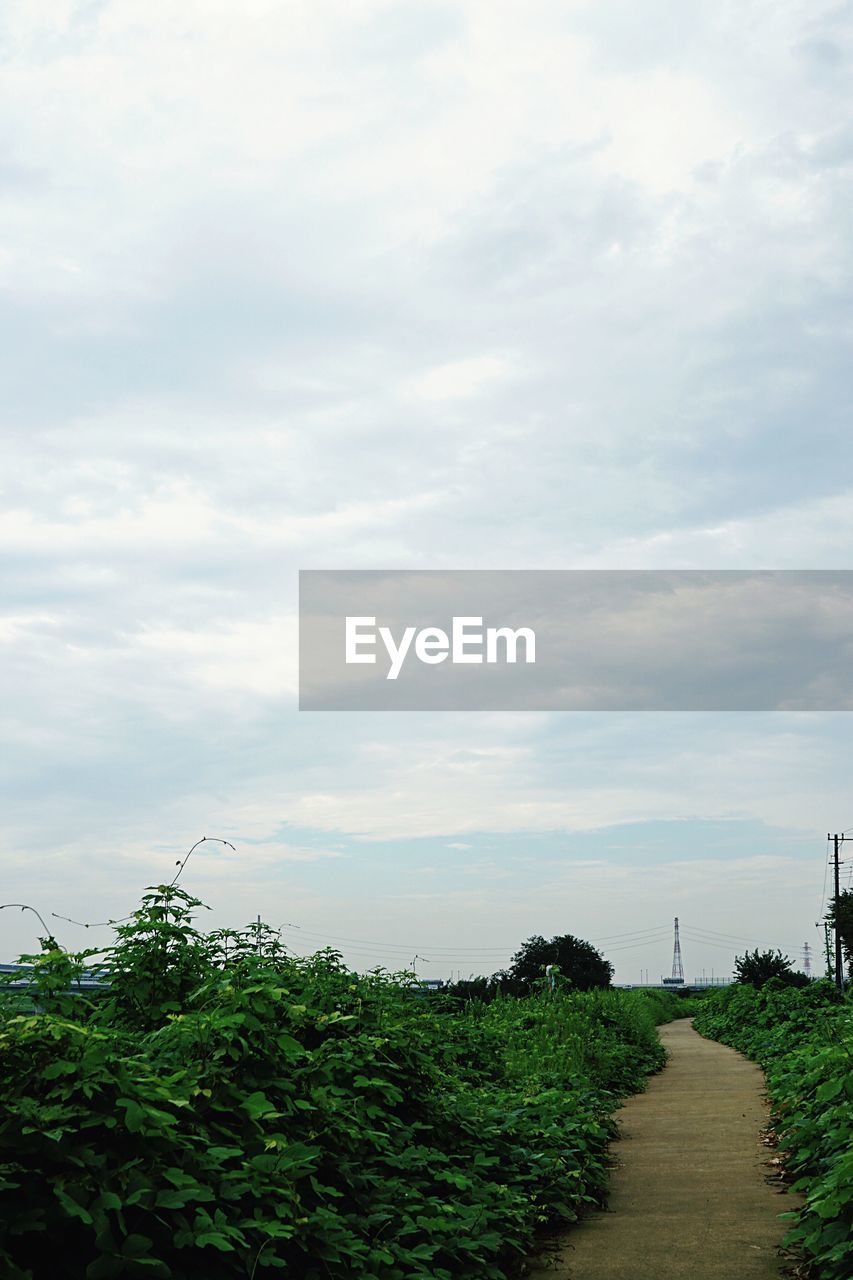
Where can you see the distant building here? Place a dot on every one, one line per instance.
(20, 977)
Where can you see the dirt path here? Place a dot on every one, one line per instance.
(689, 1200)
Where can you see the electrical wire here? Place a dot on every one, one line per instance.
(473, 951)
(398, 957)
(401, 946)
(632, 933)
(633, 946)
(825, 874)
(715, 933)
(706, 942)
(456, 957)
(728, 937)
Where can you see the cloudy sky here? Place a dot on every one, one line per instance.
(354, 284)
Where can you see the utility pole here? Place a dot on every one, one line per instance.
(839, 971)
(836, 863)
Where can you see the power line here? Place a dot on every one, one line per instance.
(715, 933)
(428, 946)
(397, 952)
(825, 873)
(732, 946)
(660, 928)
(632, 946)
(615, 943)
(706, 942)
(399, 956)
(400, 946)
(640, 939)
(729, 936)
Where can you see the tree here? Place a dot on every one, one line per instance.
(840, 916)
(757, 967)
(578, 962)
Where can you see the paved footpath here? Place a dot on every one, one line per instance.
(689, 1200)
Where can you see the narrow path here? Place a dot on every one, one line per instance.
(689, 1200)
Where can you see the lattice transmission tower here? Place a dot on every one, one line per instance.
(677, 966)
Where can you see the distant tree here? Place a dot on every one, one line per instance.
(579, 964)
(472, 989)
(757, 967)
(840, 916)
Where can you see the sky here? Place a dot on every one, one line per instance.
(412, 285)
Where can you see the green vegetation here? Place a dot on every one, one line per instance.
(840, 916)
(561, 963)
(803, 1038)
(577, 962)
(224, 1110)
(757, 967)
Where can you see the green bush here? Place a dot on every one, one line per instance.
(803, 1038)
(223, 1109)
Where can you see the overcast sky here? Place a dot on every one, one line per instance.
(348, 284)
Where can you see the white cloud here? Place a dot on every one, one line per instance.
(459, 378)
(365, 285)
(253, 657)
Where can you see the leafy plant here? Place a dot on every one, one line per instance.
(840, 916)
(225, 1110)
(757, 967)
(803, 1038)
(578, 963)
